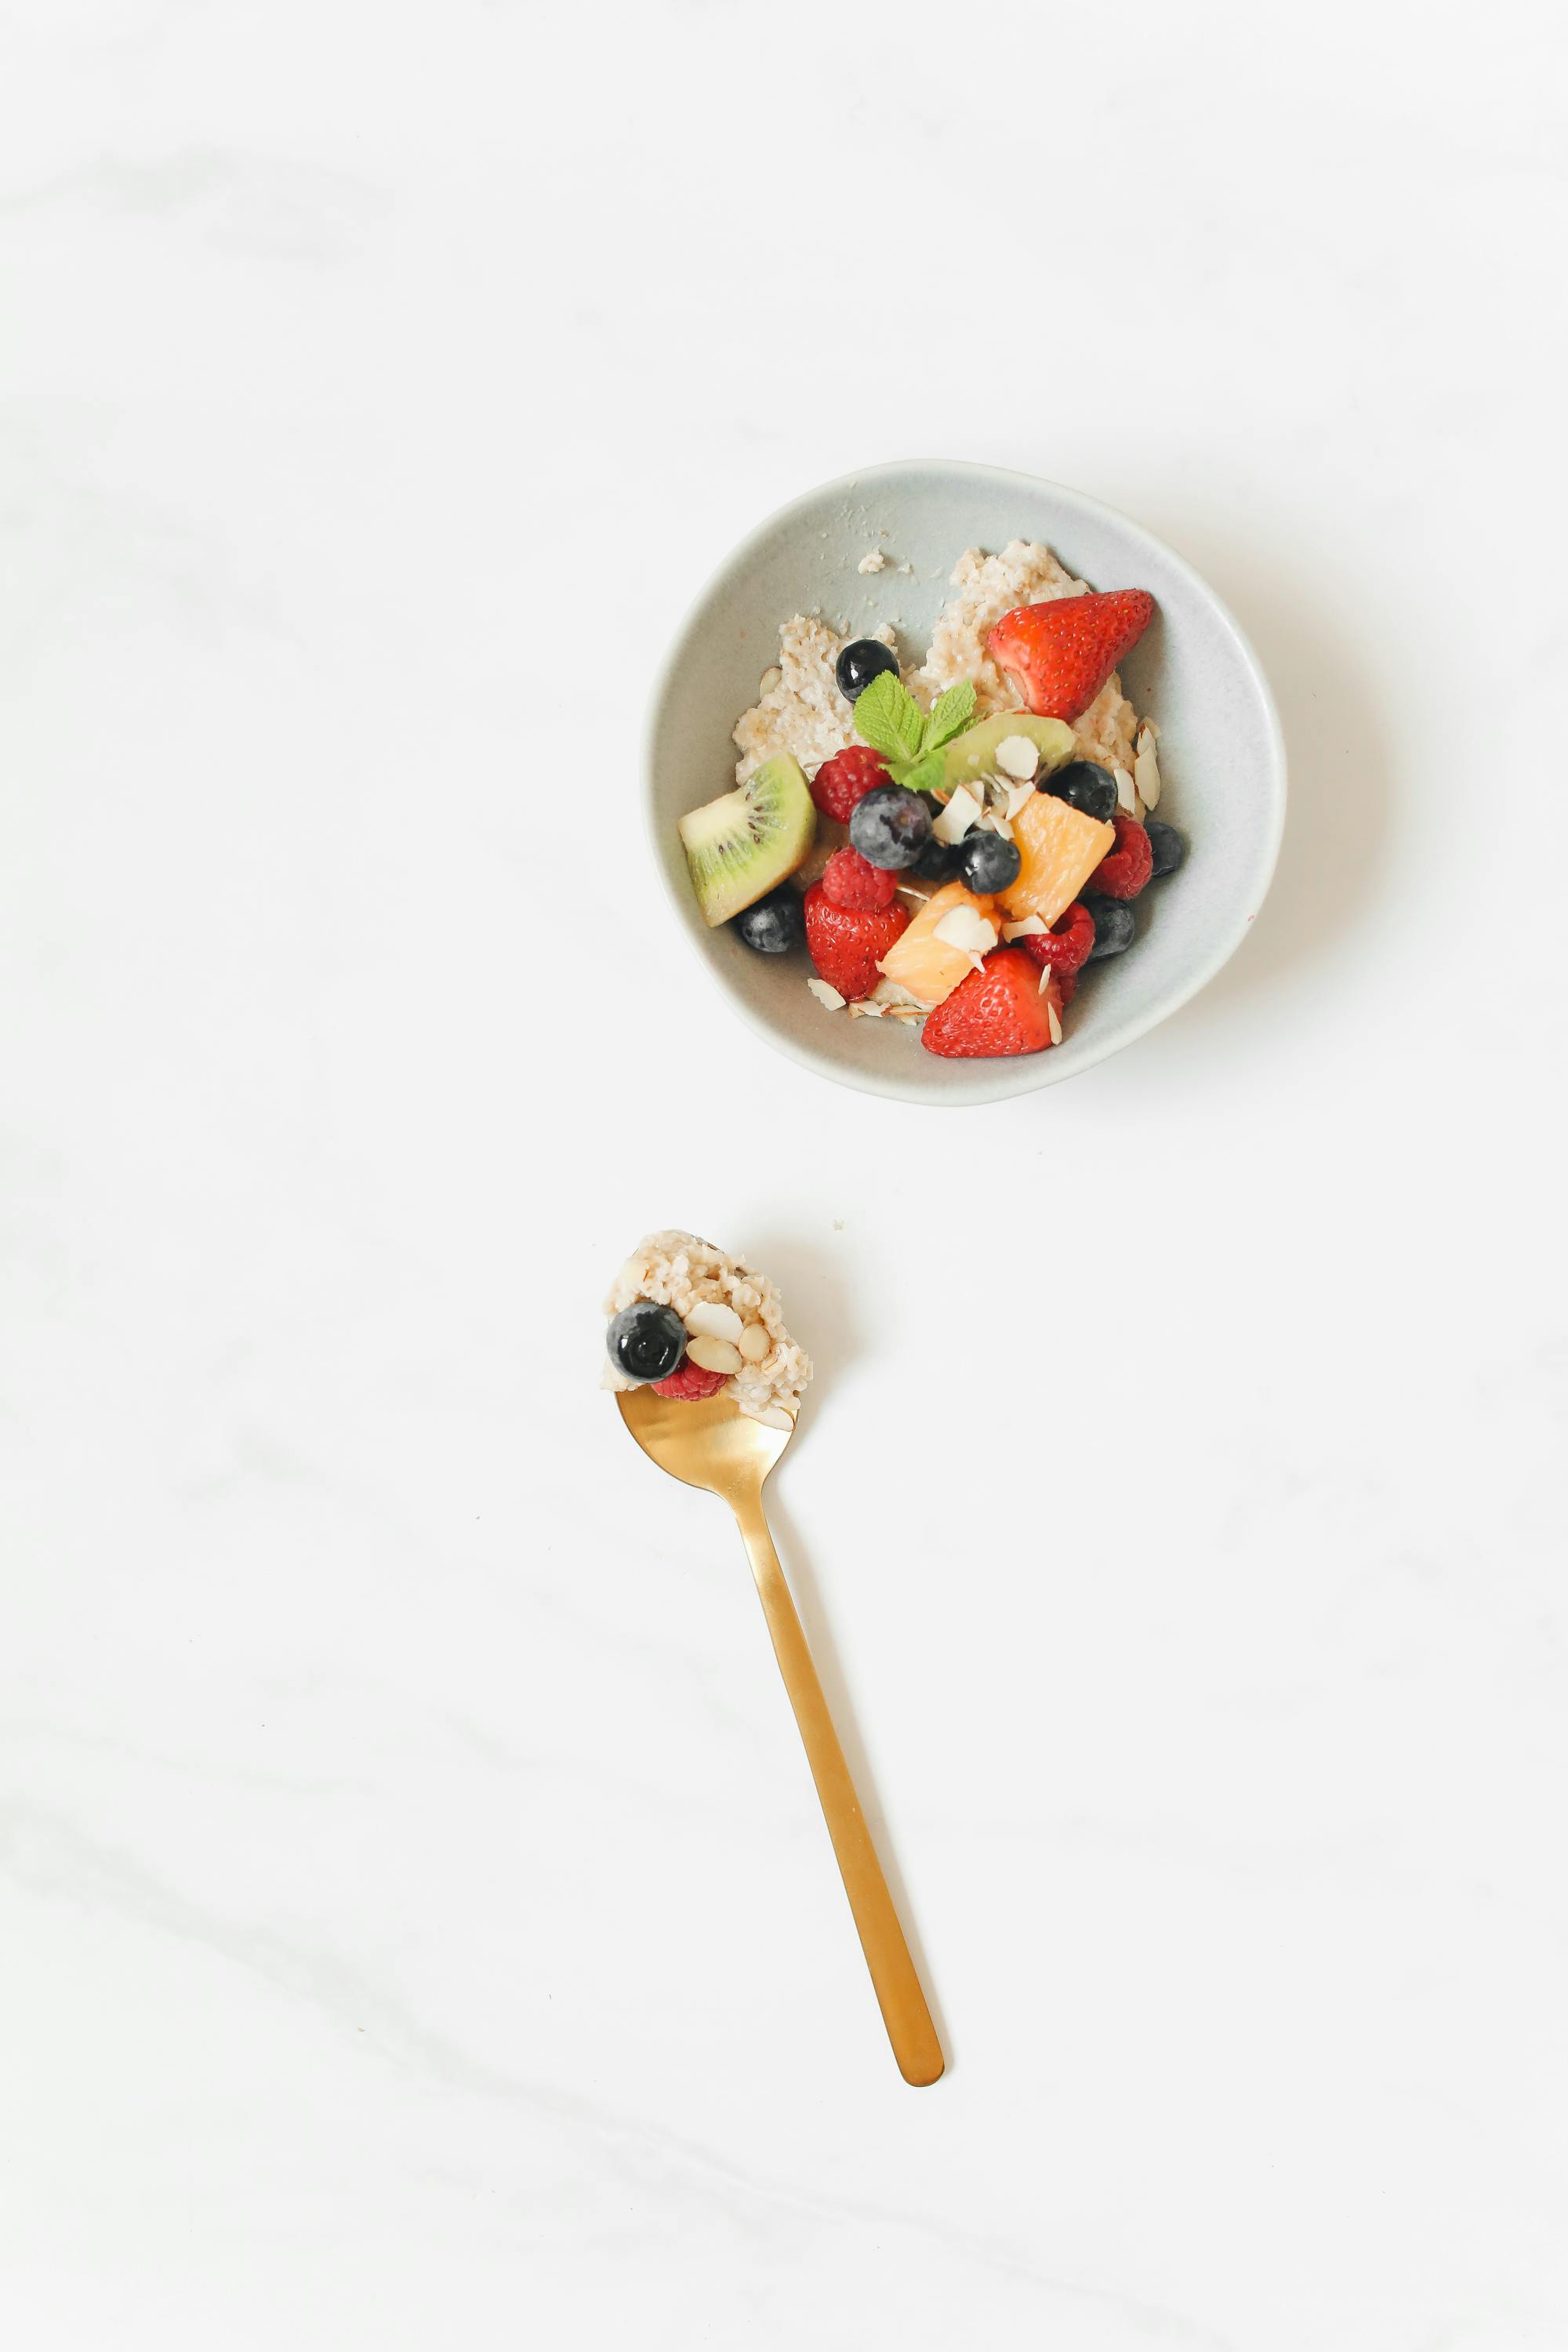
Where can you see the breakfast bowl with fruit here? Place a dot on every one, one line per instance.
(960, 782)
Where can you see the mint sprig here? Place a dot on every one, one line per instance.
(910, 739)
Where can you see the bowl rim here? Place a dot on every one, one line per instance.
(1020, 1074)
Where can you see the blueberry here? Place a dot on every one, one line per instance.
(774, 924)
(1167, 844)
(1084, 786)
(891, 826)
(938, 861)
(646, 1342)
(987, 862)
(859, 664)
(1113, 925)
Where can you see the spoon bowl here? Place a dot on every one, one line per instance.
(707, 1442)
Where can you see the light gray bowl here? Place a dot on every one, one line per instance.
(1222, 759)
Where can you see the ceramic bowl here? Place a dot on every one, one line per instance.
(1222, 759)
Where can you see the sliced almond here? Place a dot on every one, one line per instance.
(1019, 797)
(826, 995)
(715, 1355)
(1016, 756)
(1126, 790)
(970, 933)
(864, 1010)
(1029, 928)
(755, 1342)
(711, 1319)
(770, 678)
(1146, 766)
(772, 1417)
(958, 815)
(1056, 1024)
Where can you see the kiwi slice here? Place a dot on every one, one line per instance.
(973, 754)
(742, 845)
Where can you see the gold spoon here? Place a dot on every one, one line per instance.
(712, 1445)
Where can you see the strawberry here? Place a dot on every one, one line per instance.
(1058, 655)
(851, 881)
(1123, 870)
(847, 778)
(847, 943)
(1065, 946)
(1000, 1009)
(690, 1383)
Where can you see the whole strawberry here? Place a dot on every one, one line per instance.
(1058, 655)
(1003, 1008)
(851, 881)
(847, 943)
(845, 779)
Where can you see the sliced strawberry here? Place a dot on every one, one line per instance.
(1058, 655)
(1123, 870)
(1000, 1009)
(847, 943)
(851, 881)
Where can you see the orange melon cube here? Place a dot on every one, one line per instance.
(928, 967)
(1060, 848)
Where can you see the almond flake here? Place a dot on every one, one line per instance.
(1029, 928)
(864, 1010)
(1146, 766)
(971, 932)
(770, 678)
(1126, 791)
(711, 1319)
(772, 1416)
(1056, 1024)
(826, 995)
(1044, 980)
(716, 1356)
(1016, 756)
(1019, 798)
(755, 1342)
(957, 816)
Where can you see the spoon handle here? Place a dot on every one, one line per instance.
(897, 1987)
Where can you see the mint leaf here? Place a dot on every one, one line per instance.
(927, 774)
(950, 715)
(887, 717)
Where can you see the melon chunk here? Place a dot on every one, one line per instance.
(930, 968)
(1060, 848)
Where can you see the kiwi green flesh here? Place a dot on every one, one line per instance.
(744, 844)
(973, 754)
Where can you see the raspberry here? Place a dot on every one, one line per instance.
(850, 880)
(1067, 986)
(1066, 947)
(690, 1383)
(847, 778)
(1124, 871)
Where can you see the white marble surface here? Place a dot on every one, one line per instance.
(416, 1928)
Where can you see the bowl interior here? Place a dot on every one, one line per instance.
(1221, 757)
